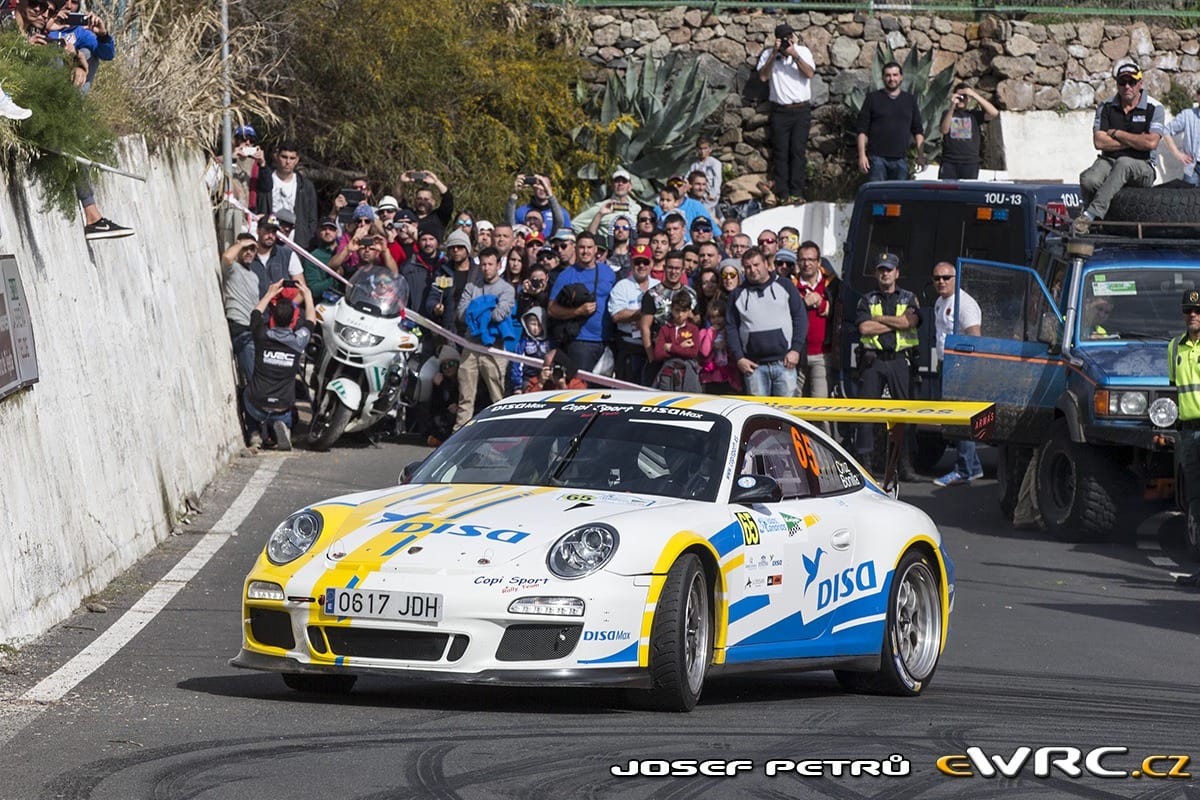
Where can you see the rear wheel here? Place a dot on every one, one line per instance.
(681, 641)
(912, 641)
(319, 684)
(1076, 488)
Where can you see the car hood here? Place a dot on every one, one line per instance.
(1143, 362)
(444, 527)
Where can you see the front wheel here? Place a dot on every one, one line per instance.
(1076, 485)
(912, 641)
(328, 423)
(681, 637)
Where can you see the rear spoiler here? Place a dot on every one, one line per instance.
(977, 417)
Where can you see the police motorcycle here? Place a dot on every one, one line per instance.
(364, 354)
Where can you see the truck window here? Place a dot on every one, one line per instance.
(922, 233)
(1132, 303)
(1011, 302)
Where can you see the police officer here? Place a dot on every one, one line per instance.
(887, 321)
(1183, 372)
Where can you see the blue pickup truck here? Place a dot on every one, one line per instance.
(1073, 353)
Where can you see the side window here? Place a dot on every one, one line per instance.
(768, 448)
(834, 473)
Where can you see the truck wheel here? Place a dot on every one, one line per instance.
(1158, 204)
(1076, 485)
(928, 451)
(1010, 471)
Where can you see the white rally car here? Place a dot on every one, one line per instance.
(608, 538)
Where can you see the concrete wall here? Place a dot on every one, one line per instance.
(135, 405)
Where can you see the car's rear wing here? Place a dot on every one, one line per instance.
(977, 417)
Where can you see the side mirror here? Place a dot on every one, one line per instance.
(409, 469)
(748, 489)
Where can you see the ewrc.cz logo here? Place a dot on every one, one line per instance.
(1070, 761)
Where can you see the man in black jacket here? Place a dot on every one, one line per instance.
(285, 188)
(889, 117)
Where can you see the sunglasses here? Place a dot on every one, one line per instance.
(641, 261)
(645, 219)
(563, 245)
(1127, 81)
(943, 277)
(463, 223)
(620, 180)
(620, 227)
(448, 364)
(729, 276)
(766, 241)
(1193, 310)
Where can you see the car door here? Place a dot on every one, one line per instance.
(794, 543)
(1016, 361)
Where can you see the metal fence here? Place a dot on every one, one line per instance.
(1184, 11)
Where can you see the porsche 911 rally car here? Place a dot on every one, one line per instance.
(608, 538)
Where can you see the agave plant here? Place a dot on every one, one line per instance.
(645, 121)
(933, 94)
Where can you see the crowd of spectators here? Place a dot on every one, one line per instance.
(666, 295)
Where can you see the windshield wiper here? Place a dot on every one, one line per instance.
(567, 455)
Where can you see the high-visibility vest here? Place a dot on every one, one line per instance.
(1183, 371)
(905, 339)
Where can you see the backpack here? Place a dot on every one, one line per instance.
(678, 375)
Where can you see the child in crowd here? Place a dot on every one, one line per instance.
(443, 402)
(533, 343)
(677, 346)
(717, 374)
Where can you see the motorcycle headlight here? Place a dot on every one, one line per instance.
(294, 537)
(356, 337)
(583, 550)
(1164, 412)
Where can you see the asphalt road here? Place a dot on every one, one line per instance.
(1051, 646)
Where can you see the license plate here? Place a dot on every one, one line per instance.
(374, 604)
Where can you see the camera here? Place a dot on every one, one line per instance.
(289, 284)
(531, 180)
(558, 373)
(390, 226)
(77, 20)
(418, 176)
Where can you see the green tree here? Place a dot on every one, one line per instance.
(474, 90)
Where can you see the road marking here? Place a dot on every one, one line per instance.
(109, 643)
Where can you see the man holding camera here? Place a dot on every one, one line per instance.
(788, 66)
(430, 217)
(542, 202)
(278, 356)
(619, 202)
(962, 134)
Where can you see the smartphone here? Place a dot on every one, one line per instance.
(290, 284)
(77, 19)
(353, 196)
(621, 206)
(418, 176)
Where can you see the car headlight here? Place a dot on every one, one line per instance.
(294, 537)
(356, 337)
(1132, 403)
(1164, 412)
(583, 550)
(1115, 403)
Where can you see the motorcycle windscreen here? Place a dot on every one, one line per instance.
(377, 291)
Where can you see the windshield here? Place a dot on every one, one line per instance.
(614, 448)
(1133, 303)
(376, 290)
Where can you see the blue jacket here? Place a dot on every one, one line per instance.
(481, 325)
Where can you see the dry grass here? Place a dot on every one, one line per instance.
(167, 79)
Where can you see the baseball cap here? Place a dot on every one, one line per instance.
(1132, 70)
(480, 225)
(388, 202)
(547, 251)
(406, 215)
(364, 212)
(328, 223)
(1191, 299)
(268, 221)
(246, 132)
(702, 224)
(886, 260)
(641, 251)
(563, 235)
(786, 255)
(520, 230)
(783, 30)
(676, 180)
(534, 238)
(621, 173)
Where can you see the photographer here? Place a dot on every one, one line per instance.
(429, 217)
(962, 129)
(240, 293)
(278, 356)
(543, 202)
(89, 37)
(788, 66)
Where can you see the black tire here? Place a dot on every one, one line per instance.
(912, 640)
(1157, 204)
(928, 449)
(1011, 464)
(319, 684)
(681, 637)
(329, 421)
(1077, 488)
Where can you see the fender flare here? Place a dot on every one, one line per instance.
(1068, 407)
(347, 391)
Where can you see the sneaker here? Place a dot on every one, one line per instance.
(951, 479)
(255, 440)
(10, 109)
(1081, 225)
(283, 436)
(105, 229)
(975, 476)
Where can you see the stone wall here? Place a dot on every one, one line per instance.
(1021, 66)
